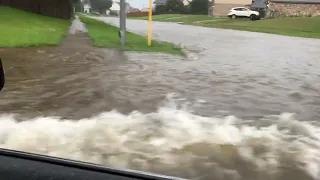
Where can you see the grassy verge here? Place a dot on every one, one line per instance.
(185, 18)
(105, 35)
(24, 29)
(298, 26)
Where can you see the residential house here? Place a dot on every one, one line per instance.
(293, 8)
(128, 7)
(115, 8)
(163, 2)
(133, 10)
(186, 2)
(86, 8)
(222, 7)
(144, 10)
(159, 2)
(260, 6)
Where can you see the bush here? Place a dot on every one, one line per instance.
(186, 10)
(199, 7)
(174, 6)
(160, 9)
(171, 7)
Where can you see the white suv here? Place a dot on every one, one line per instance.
(242, 12)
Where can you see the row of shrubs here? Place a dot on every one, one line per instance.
(177, 7)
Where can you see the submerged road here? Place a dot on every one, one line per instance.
(223, 113)
(246, 73)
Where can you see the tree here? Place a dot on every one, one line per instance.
(199, 6)
(186, 9)
(174, 6)
(74, 2)
(160, 9)
(86, 2)
(78, 7)
(101, 5)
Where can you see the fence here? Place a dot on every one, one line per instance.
(54, 8)
(137, 14)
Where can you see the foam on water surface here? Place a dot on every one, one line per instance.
(176, 142)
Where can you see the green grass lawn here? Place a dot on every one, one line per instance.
(185, 18)
(106, 35)
(24, 29)
(297, 26)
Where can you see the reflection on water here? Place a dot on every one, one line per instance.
(206, 117)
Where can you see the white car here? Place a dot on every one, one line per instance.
(242, 12)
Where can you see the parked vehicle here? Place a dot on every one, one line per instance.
(254, 17)
(242, 12)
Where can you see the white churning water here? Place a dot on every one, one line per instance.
(175, 142)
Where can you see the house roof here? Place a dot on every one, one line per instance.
(259, 4)
(86, 6)
(134, 10)
(297, 1)
(145, 10)
(163, 2)
(160, 2)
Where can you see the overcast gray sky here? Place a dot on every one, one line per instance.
(139, 3)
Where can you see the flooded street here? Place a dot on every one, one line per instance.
(247, 74)
(241, 106)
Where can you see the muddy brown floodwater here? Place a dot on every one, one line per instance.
(242, 106)
(62, 81)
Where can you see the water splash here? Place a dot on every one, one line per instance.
(175, 141)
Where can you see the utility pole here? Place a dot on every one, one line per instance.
(209, 7)
(123, 16)
(150, 23)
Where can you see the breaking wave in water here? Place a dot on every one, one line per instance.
(175, 141)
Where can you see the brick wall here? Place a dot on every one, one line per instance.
(292, 10)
